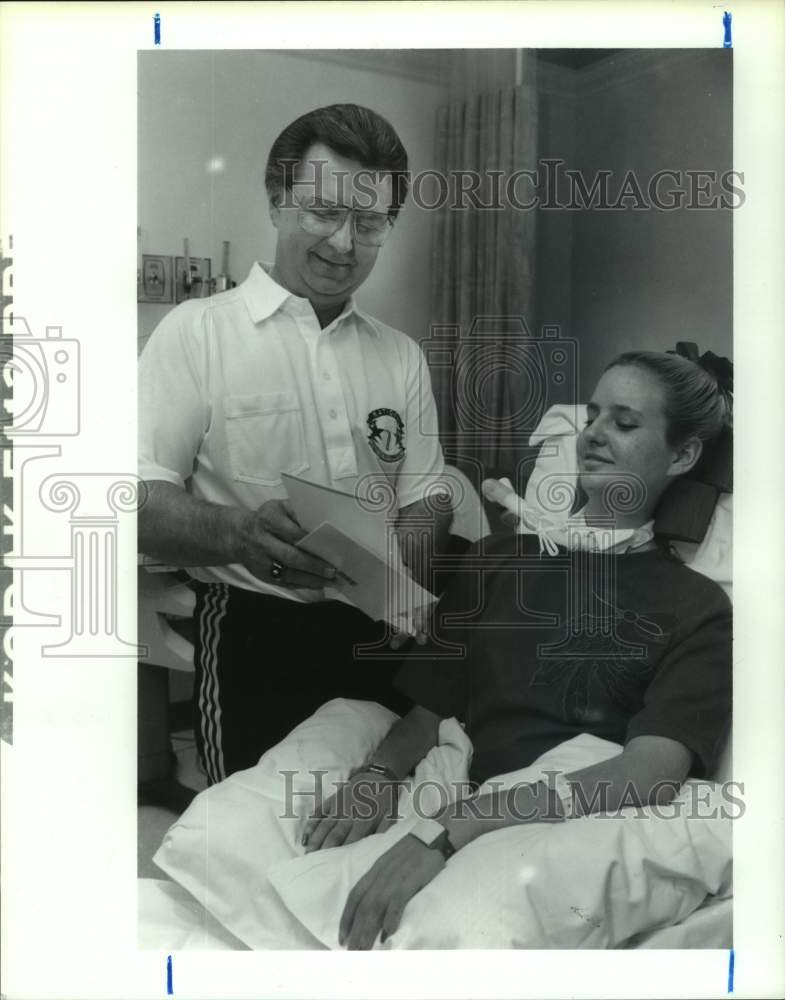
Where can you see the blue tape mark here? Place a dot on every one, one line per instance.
(727, 42)
(169, 987)
(731, 963)
(157, 29)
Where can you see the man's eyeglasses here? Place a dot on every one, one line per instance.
(368, 228)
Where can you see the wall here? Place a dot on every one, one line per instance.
(195, 106)
(650, 278)
(613, 280)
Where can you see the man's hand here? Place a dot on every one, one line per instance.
(265, 544)
(378, 900)
(365, 804)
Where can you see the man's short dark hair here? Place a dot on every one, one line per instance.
(350, 130)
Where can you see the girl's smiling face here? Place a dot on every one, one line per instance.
(625, 441)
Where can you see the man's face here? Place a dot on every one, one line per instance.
(327, 269)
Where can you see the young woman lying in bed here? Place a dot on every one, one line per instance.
(623, 642)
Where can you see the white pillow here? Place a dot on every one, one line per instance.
(585, 883)
(224, 844)
(590, 882)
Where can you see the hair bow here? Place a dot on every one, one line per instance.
(720, 368)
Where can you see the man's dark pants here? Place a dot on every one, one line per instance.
(264, 663)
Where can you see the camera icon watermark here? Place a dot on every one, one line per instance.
(40, 402)
(43, 376)
(499, 378)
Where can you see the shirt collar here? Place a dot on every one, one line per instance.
(264, 297)
(575, 533)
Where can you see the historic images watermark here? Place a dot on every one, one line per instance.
(552, 186)
(307, 793)
(40, 410)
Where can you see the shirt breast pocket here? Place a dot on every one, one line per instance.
(265, 437)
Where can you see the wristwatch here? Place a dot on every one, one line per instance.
(564, 793)
(381, 769)
(433, 834)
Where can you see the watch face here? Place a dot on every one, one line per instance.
(427, 831)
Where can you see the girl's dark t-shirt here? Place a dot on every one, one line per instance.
(529, 650)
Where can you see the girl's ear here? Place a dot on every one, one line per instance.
(686, 456)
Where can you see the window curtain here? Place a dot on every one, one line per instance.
(483, 259)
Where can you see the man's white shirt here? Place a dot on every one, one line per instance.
(240, 387)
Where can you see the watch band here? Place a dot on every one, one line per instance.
(381, 769)
(434, 835)
(562, 788)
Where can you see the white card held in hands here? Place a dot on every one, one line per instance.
(380, 589)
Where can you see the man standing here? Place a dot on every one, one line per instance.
(285, 374)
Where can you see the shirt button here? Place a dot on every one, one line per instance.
(333, 414)
(326, 376)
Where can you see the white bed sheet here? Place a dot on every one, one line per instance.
(170, 919)
(232, 846)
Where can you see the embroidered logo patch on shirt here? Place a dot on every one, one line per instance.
(386, 434)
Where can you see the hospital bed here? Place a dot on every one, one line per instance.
(624, 882)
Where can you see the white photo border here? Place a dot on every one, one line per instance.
(69, 108)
